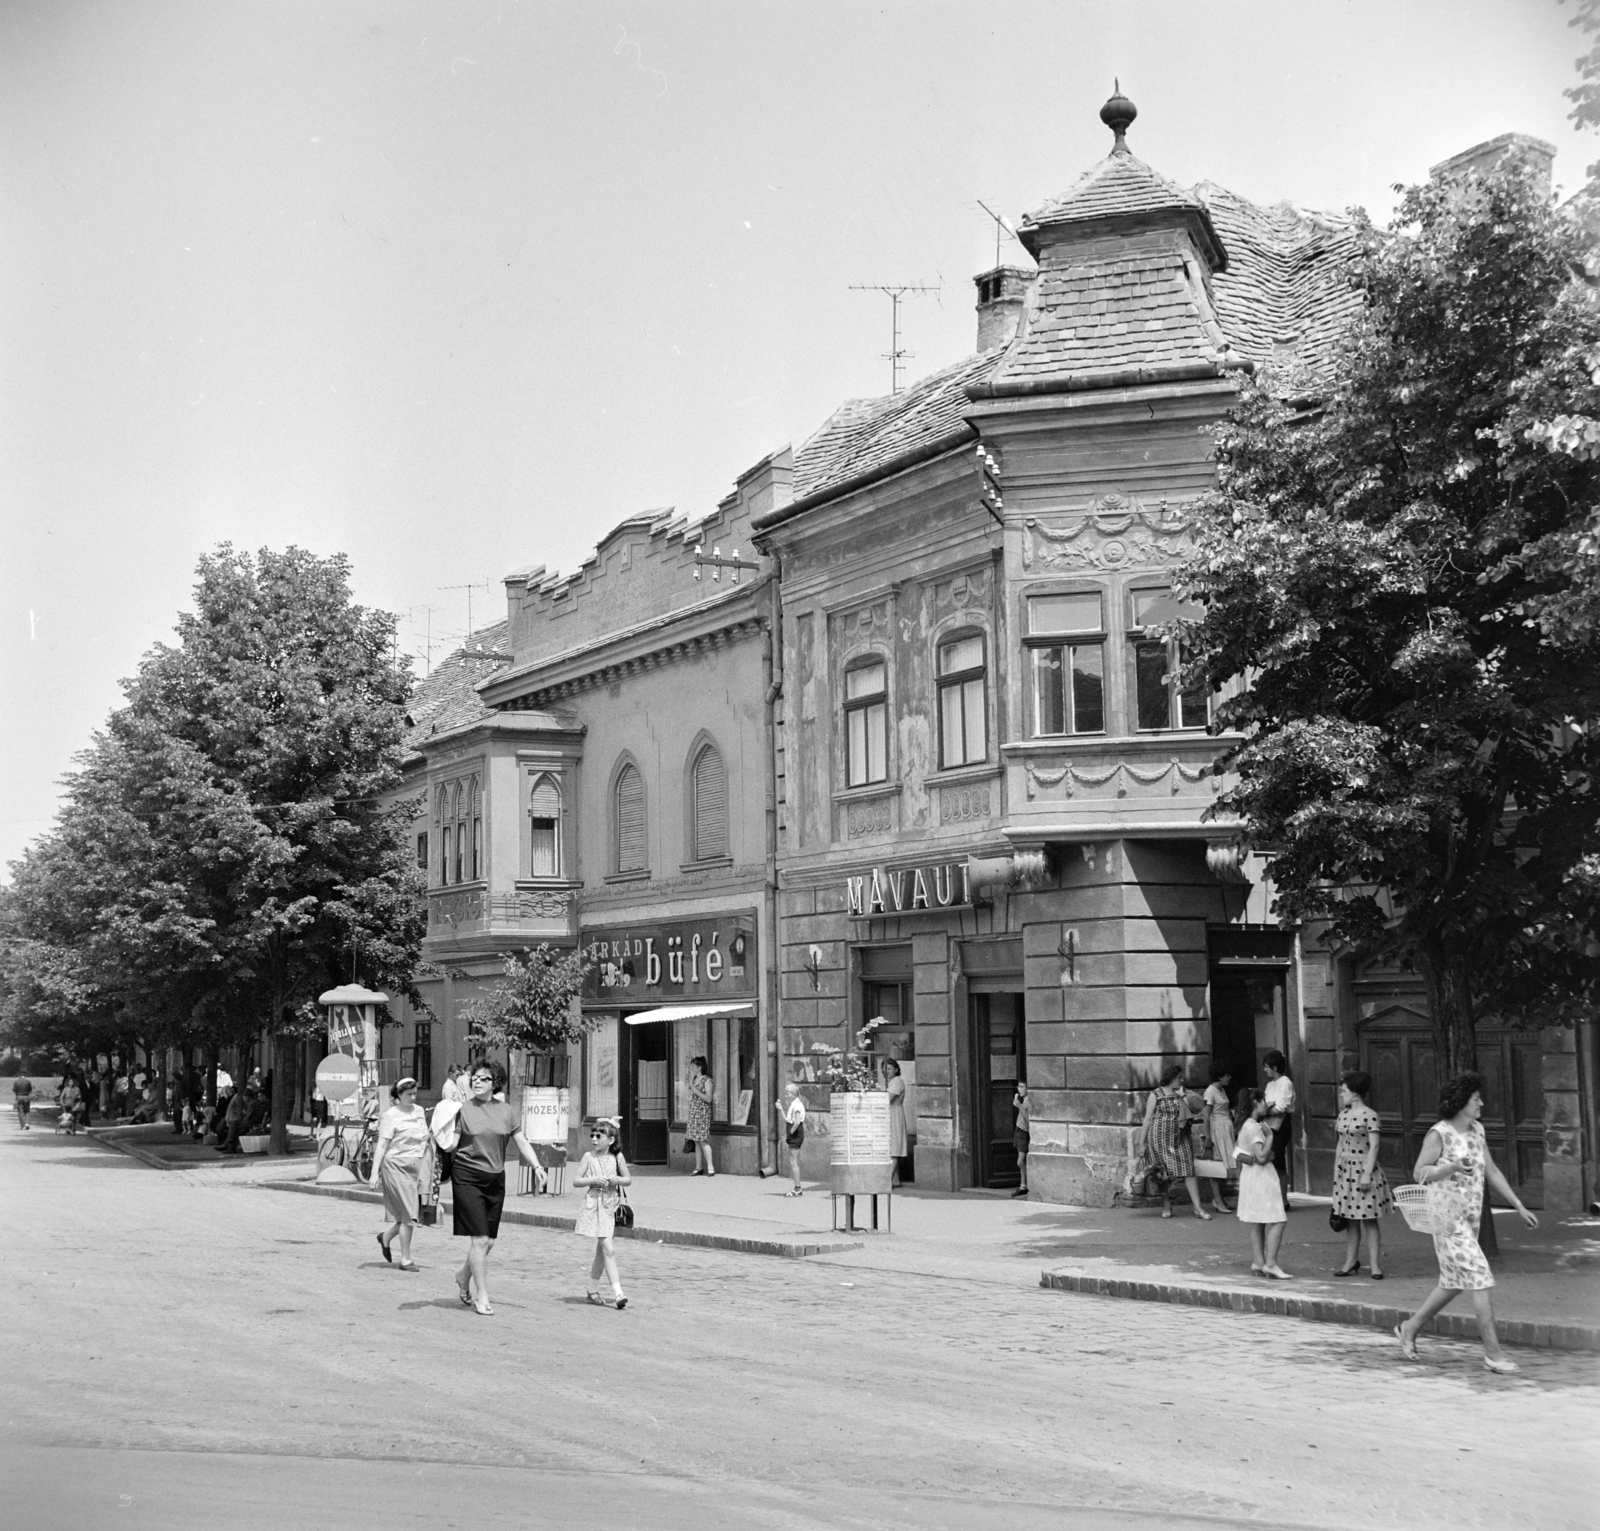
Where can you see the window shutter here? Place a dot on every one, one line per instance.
(630, 821)
(544, 810)
(710, 805)
(546, 800)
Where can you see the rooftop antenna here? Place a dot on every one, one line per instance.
(1003, 227)
(480, 585)
(896, 291)
(428, 646)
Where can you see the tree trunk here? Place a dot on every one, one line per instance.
(1447, 978)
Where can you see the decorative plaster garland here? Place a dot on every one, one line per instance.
(1068, 774)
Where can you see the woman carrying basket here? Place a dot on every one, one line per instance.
(1453, 1165)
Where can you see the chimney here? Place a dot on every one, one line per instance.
(1534, 153)
(1001, 294)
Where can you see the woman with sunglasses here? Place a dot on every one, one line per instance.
(478, 1177)
(403, 1148)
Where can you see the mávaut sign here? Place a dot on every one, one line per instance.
(908, 890)
(642, 965)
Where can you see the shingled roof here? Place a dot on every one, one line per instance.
(446, 699)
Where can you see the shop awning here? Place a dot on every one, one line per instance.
(692, 1012)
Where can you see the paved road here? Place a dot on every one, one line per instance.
(183, 1350)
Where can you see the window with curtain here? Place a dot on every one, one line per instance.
(866, 723)
(708, 791)
(458, 815)
(1159, 703)
(441, 815)
(544, 814)
(475, 814)
(963, 734)
(1066, 663)
(629, 818)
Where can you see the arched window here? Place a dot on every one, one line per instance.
(629, 818)
(458, 863)
(475, 814)
(544, 813)
(446, 836)
(708, 805)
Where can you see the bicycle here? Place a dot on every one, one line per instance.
(335, 1147)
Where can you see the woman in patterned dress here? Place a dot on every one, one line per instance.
(1167, 1151)
(1360, 1189)
(699, 1123)
(1454, 1164)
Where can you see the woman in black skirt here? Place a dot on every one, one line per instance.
(478, 1177)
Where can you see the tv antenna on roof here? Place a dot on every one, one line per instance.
(1004, 228)
(896, 291)
(479, 585)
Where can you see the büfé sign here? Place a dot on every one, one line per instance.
(908, 890)
(687, 959)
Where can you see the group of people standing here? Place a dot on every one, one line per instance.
(467, 1140)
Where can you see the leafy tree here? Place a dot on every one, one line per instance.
(1405, 573)
(534, 1008)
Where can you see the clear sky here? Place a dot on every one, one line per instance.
(453, 288)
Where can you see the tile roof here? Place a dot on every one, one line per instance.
(1120, 186)
(865, 437)
(445, 699)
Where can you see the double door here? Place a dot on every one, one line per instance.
(999, 1060)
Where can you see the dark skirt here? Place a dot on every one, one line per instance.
(476, 1201)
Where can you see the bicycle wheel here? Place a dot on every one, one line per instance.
(330, 1150)
(361, 1159)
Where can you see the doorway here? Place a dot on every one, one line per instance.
(644, 1112)
(1248, 1020)
(999, 1060)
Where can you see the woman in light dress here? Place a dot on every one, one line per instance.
(1260, 1190)
(899, 1145)
(602, 1173)
(403, 1150)
(1280, 1113)
(1219, 1128)
(699, 1123)
(1167, 1149)
(1360, 1188)
(1453, 1165)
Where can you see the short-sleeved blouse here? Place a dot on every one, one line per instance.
(485, 1131)
(406, 1133)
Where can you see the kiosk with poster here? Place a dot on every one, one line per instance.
(861, 1161)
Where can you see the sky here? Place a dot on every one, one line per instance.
(454, 288)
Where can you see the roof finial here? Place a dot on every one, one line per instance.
(1117, 114)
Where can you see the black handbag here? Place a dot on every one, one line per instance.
(688, 1145)
(623, 1217)
(1337, 1222)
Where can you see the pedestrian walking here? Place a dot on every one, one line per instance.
(793, 1112)
(1454, 1164)
(1361, 1192)
(453, 1087)
(602, 1173)
(1022, 1132)
(1260, 1191)
(398, 1166)
(1168, 1151)
(899, 1144)
(699, 1115)
(1280, 1113)
(22, 1099)
(1219, 1129)
(478, 1174)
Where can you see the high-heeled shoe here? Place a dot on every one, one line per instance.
(1349, 1270)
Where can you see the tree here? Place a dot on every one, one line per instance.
(1405, 574)
(534, 1008)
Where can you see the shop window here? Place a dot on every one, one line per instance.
(866, 723)
(1066, 661)
(708, 793)
(628, 816)
(600, 1069)
(729, 1045)
(1159, 703)
(544, 814)
(963, 733)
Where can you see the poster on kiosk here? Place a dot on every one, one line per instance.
(353, 1049)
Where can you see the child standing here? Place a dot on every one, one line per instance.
(1260, 1190)
(1022, 1133)
(793, 1111)
(602, 1173)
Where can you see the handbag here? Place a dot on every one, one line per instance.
(1337, 1221)
(688, 1145)
(428, 1213)
(623, 1216)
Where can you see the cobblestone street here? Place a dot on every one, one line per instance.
(184, 1349)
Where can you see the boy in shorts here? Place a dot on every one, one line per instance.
(793, 1111)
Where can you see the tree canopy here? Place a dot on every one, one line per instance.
(1406, 574)
(533, 1008)
(234, 834)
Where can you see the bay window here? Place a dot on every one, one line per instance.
(1066, 663)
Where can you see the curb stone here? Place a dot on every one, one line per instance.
(1460, 1326)
(789, 1249)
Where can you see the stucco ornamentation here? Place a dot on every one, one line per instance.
(868, 818)
(455, 908)
(532, 904)
(961, 805)
(1116, 532)
(1174, 772)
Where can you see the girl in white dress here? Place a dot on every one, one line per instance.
(602, 1173)
(1260, 1190)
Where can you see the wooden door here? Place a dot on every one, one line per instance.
(999, 1060)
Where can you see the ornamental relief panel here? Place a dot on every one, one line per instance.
(869, 818)
(537, 904)
(865, 628)
(1116, 532)
(455, 908)
(967, 591)
(963, 805)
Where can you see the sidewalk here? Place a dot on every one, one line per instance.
(1548, 1291)
(161, 1148)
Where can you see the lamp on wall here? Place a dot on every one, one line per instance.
(814, 966)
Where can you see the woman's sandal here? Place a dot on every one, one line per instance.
(1205, 1217)
(1502, 1366)
(409, 1265)
(384, 1247)
(1408, 1348)
(465, 1294)
(594, 1297)
(484, 1312)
